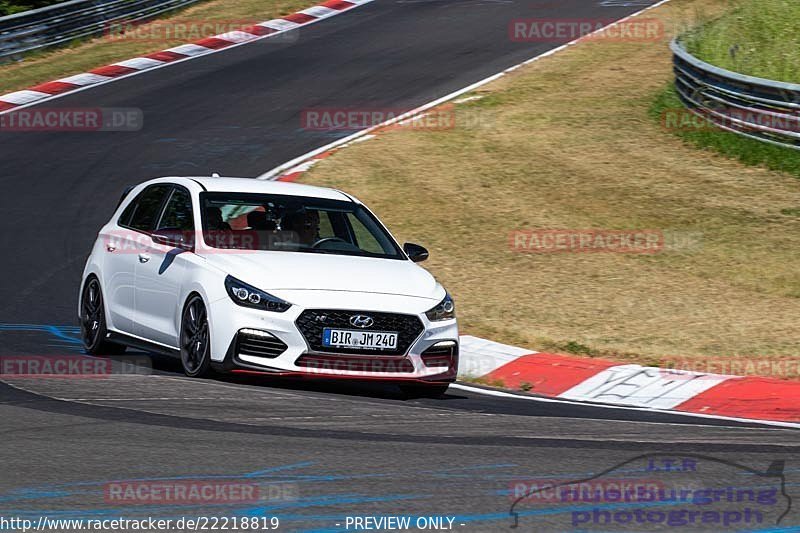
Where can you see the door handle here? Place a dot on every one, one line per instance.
(111, 247)
(144, 258)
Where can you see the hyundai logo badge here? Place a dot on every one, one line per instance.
(361, 321)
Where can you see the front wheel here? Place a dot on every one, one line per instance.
(195, 341)
(93, 322)
(424, 391)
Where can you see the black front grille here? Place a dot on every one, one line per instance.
(259, 345)
(312, 321)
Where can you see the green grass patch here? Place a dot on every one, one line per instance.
(756, 37)
(746, 150)
(487, 382)
(9, 7)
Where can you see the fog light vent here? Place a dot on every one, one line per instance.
(259, 344)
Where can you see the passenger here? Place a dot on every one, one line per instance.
(258, 220)
(217, 231)
(214, 220)
(261, 229)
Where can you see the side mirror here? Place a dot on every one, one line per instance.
(174, 237)
(415, 252)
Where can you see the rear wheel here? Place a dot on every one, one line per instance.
(195, 340)
(424, 391)
(93, 322)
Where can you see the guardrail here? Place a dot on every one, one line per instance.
(758, 108)
(62, 23)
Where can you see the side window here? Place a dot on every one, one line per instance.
(364, 239)
(125, 217)
(178, 213)
(325, 225)
(142, 213)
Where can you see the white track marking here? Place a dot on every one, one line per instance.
(140, 63)
(642, 386)
(280, 24)
(320, 11)
(236, 36)
(22, 97)
(87, 78)
(510, 395)
(191, 50)
(481, 356)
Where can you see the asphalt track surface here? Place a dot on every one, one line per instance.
(328, 450)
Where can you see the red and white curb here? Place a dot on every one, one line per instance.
(209, 45)
(608, 382)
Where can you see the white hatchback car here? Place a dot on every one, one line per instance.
(243, 275)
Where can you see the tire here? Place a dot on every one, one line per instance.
(424, 391)
(195, 339)
(93, 321)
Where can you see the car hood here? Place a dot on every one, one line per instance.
(308, 271)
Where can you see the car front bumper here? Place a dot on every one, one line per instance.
(431, 357)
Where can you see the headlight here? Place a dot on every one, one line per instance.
(444, 311)
(248, 296)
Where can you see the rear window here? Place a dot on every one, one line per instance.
(143, 212)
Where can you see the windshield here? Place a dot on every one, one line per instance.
(293, 224)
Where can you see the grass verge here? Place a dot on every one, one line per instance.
(9, 7)
(756, 37)
(568, 142)
(704, 135)
(88, 54)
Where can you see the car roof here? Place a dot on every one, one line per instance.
(252, 185)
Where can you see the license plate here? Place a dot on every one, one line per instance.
(369, 340)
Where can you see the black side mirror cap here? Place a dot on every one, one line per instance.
(415, 252)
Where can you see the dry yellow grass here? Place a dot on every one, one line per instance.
(105, 50)
(567, 142)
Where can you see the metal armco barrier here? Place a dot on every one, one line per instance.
(62, 23)
(758, 108)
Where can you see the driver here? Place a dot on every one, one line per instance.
(305, 224)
